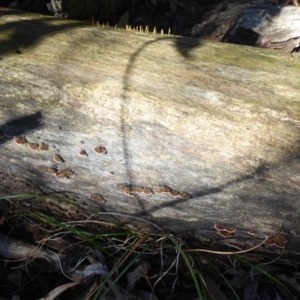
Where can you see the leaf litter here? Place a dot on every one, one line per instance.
(55, 261)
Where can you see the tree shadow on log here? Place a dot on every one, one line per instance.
(21, 125)
(255, 178)
(269, 207)
(184, 46)
(28, 33)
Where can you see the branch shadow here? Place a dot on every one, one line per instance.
(184, 46)
(21, 125)
(259, 174)
(23, 34)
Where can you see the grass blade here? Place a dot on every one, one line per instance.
(271, 277)
(183, 254)
(224, 278)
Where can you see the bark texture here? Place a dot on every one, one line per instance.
(267, 24)
(218, 121)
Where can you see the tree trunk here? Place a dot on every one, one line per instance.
(217, 121)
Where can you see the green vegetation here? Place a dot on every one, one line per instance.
(103, 253)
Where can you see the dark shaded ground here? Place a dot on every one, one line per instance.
(51, 255)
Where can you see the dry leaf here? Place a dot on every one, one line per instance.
(97, 269)
(54, 293)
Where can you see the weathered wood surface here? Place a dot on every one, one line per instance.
(259, 23)
(218, 121)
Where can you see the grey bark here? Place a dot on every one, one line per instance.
(258, 23)
(218, 121)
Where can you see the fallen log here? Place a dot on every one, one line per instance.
(127, 121)
(269, 24)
